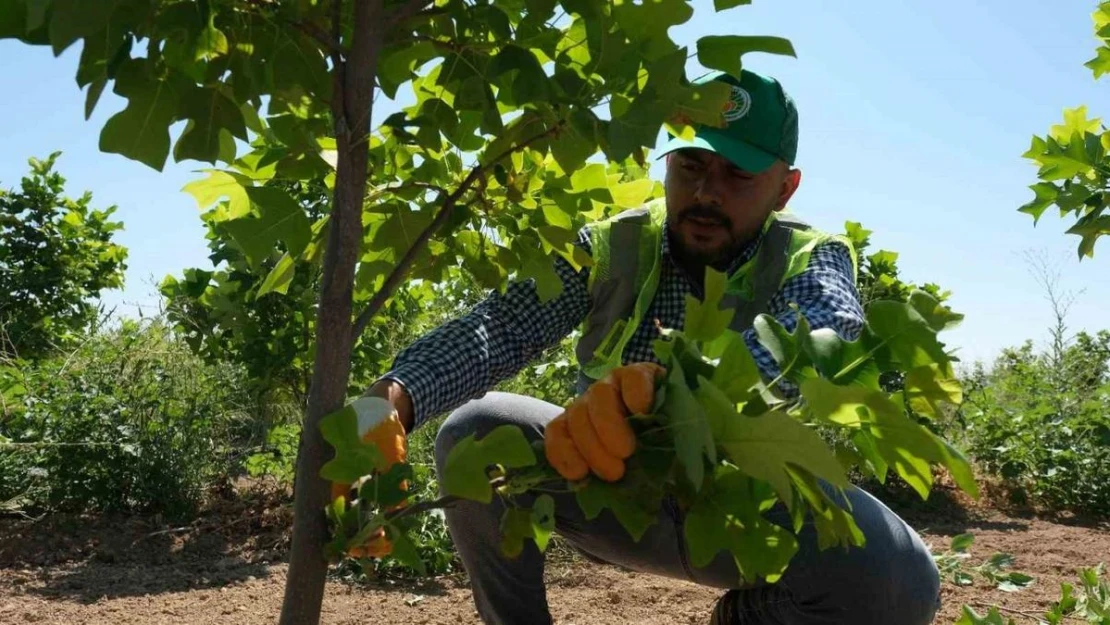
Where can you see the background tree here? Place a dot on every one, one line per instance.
(56, 256)
(1072, 158)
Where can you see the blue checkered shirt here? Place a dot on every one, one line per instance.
(466, 357)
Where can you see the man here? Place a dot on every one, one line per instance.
(724, 192)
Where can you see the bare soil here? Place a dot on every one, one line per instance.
(228, 567)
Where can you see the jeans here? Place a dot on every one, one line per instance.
(891, 581)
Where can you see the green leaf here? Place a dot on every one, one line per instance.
(1075, 124)
(209, 113)
(938, 316)
(728, 519)
(74, 19)
(765, 446)
(632, 194)
(1061, 161)
(901, 442)
(353, 458)
(385, 489)
(721, 5)
(141, 131)
(211, 42)
(279, 218)
(516, 526)
(519, 524)
(910, 337)
(1100, 65)
(928, 386)
(543, 520)
(706, 320)
(971, 617)
(404, 551)
(962, 542)
(633, 512)
(687, 421)
(736, 373)
(464, 474)
(219, 184)
(279, 278)
(724, 52)
(845, 362)
(576, 142)
(649, 22)
(1090, 228)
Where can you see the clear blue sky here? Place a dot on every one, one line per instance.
(914, 116)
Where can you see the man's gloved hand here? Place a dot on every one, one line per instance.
(378, 425)
(593, 433)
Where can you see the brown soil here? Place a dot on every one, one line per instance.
(227, 567)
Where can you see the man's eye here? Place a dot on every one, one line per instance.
(691, 166)
(740, 174)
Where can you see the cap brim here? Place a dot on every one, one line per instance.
(743, 155)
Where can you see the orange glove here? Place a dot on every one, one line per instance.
(379, 425)
(593, 433)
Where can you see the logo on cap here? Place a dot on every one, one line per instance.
(738, 105)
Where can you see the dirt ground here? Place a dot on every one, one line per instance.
(227, 567)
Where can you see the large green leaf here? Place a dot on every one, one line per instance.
(520, 524)
(220, 184)
(736, 373)
(728, 519)
(901, 442)
(764, 447)
(279, 218)
(724, 52)
(464, 473)
(928, 387)
(632, 509)
(687, 422)
(71, 20)
(909, 336)
(705, 320)
(210, 113)
(141, 131)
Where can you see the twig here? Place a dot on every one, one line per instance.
(447, 207)
(980, 604)
(410, 9)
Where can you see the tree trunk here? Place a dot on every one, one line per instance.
(352, 101)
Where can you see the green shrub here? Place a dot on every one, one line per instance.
(130, 421)
(1041, 422)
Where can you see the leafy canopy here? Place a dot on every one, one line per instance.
(56, 255)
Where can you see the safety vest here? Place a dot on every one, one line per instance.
(627, 265)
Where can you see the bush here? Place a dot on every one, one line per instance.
(129, 422)
(1041, 422)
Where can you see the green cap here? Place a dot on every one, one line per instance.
(761, 124)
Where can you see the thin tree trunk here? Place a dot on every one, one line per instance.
(351, 107)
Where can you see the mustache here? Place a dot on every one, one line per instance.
(706, 212)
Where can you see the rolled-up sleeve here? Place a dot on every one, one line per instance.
(465, 357)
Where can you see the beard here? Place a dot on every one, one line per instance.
(690, 249)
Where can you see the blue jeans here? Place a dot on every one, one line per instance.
(891, 581)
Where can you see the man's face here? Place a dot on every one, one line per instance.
(714, 207)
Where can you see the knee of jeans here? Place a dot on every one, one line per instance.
(475, 417)
(919, 589)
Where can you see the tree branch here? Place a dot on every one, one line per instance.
(406, 11)
(331, 44)
(446, 208)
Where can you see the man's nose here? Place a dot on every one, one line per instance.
(708, 190)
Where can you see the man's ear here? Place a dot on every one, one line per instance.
(790, 184)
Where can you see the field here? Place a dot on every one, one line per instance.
(228, 567)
